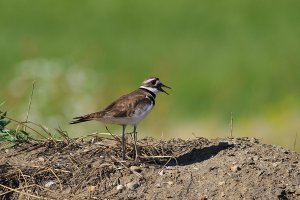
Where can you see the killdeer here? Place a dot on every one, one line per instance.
(129, 109)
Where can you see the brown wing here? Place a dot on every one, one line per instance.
(122, 107)
(125, 105)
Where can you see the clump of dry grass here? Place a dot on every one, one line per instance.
(75, 164)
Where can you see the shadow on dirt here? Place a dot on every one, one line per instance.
(199, 155)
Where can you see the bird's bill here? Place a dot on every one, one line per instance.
(162, 90)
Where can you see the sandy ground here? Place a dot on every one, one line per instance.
(91, 168)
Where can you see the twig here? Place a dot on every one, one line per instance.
(162, 135)
(60, 185)
(134, 172)
(74, 162)
(2, 103)
(36, 166)
(231, 124)
(24, 124)
(190, 183)
(49, 169)
(15, 190)
(43, 127)
(95, 134)
(198, 137)
(29, 104)
(63, 133)
(295, 141)
(170, 158)
(36, 185)
(25, 182)
(28, 186)
(159, 156)
(116, 138)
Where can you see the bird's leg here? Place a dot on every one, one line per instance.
(135, 139)
(123, 143)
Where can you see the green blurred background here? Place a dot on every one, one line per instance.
(218, 56)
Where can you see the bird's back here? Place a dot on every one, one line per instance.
(128, 109)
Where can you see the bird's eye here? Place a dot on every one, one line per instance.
(153, 82)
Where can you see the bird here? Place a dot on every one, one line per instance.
(129, 109)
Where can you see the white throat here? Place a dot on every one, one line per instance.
(154, 90)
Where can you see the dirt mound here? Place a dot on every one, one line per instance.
(239, 168)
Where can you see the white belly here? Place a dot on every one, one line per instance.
(138, 115)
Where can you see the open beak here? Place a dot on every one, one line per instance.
(160, 88)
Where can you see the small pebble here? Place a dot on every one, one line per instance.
(279, 192)
(67, 190)
(161, 173)
(235, 168)
(132, 185)
(170, 182)
(135, 168)
(212, 168)
(254, 140)
(170, 167)
(157, 185)
(222, 194)
(41, 159)
(221, 183)
(201, 197)
(91, 189)
(120, 187)
(276, 164)
(49, 184)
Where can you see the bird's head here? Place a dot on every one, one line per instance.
(154, 85)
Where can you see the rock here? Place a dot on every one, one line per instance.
(254, 140)
(282, 186)
(255, 158)
(41, 159)
(161, 173)
(170, 182)
(91, 189)
(49, 184)
(67, 190)
(291, 190)
(116, 182)
(235, 168)
(120, 187)
(212, 168)
(221, 183)
(135, 168)
(170, 167)
(202, 197)
(222, 194)
(157, 185)
(132, 185)
(276, 164)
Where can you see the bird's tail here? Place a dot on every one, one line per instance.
(84, 118)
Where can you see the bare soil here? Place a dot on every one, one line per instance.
(91, 168)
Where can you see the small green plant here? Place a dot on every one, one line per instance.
(11, 135)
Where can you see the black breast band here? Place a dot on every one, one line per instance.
(151, 95)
